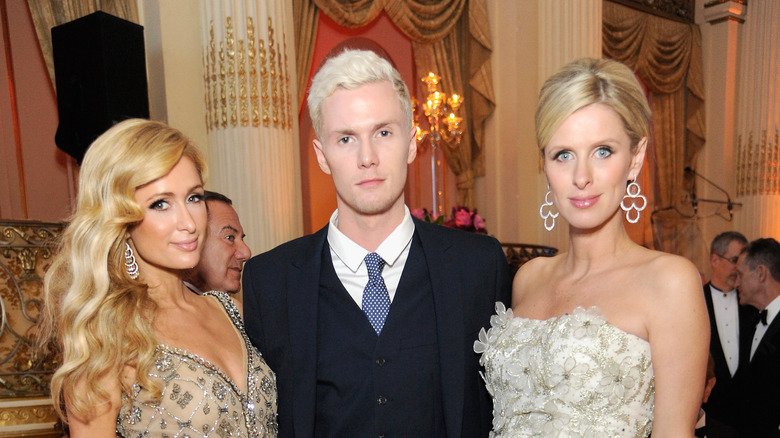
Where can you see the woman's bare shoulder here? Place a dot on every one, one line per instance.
(671, 283)
(669, 269)
(533, 276)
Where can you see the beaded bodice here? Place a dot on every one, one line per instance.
(573, 375)
(198, 399)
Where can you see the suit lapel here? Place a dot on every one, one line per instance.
(444, 274)
(768, 346)
(303, 287)
(718, 355)
(746, 330)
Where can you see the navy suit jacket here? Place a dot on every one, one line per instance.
(722, 404)
(468, 274)
(758, 386)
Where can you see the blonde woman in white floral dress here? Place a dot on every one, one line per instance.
(607, 339)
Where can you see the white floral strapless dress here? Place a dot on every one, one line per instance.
(573, 375)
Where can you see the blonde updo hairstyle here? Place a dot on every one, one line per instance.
(587, 81)
(99, 317)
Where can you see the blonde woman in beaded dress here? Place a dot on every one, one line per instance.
(607, 339)
(142, 355)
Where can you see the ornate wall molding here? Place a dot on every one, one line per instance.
(28, 417)
(678, 10)
(725, 10)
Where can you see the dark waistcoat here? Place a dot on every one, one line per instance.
(387, 385)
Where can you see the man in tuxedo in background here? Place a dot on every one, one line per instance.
(706, 426)
(729, 321)
(369, 323)
(758, 381)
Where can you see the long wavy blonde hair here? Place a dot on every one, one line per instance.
(99, 317)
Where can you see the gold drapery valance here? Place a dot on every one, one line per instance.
(426, 23)
(49, 13)
(450, 37)
(667, 56)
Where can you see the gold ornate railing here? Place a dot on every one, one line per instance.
(519, 253)
(26, 249)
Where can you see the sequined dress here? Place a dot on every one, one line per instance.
(573, 375)
(199, 400)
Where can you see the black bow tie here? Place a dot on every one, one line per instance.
(761, 317)
(701, 432)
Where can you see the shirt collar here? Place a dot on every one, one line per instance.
(353, 254)
(724, 292)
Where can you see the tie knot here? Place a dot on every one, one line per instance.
(374, 264)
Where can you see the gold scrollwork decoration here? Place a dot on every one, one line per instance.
(254, 94)
(18, 415)
(28, 244)
(230, 46)
(25, 250)
(758, 165)
(247, 81)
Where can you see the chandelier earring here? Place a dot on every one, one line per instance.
(130, 265)
(637, 201)
(549, 216)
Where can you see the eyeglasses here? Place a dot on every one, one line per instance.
(732, 260)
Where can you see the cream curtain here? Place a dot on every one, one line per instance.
(667, 56)
(305, 20)
(250, 116)
(50, 13)
(450, 37)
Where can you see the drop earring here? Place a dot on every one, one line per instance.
(633, 192)
(130, 265)
(549, 215)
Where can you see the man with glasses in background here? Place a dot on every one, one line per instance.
(728, 320)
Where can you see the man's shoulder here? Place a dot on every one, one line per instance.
(292, 249)
(455, 236)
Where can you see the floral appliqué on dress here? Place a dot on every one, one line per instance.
(199, 400)
(573, 375)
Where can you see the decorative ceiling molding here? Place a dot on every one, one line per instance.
(677, 10)
(718, 11)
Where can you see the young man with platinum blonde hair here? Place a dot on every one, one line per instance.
(370, 321)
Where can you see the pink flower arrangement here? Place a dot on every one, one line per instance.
(462, 218)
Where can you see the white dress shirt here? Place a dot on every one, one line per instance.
(348, 257)
(771, 312)
(726, 307)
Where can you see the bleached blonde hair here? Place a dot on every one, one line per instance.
(94, 312)
(351, 69)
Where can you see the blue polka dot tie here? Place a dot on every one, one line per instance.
(376, 299)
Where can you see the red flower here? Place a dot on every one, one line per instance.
(479, 223)
(462, 217)
(419, 213)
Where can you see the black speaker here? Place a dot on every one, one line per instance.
(100, 71)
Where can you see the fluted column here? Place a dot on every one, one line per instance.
(758, 122)
(567, 30)
(251, 115)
